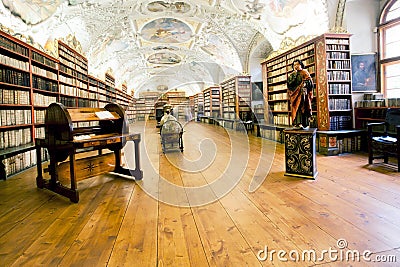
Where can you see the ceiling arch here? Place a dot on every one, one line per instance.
(221, 35)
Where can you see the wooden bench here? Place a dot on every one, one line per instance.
(384, 138)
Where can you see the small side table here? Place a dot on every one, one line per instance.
(300, 153)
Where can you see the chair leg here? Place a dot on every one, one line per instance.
(370, 156)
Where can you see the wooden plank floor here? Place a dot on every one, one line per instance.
(195, 209)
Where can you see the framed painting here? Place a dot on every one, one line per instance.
(363, 70)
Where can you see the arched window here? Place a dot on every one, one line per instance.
(389, 29)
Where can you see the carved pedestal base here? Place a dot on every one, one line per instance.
(300, 153)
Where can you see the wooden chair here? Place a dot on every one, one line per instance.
(384, 138)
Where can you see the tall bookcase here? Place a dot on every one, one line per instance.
(212, 102)
(29, 81)
(236, 98)
(198, 105)
(16, 106)
(73, 77)
(327, 58)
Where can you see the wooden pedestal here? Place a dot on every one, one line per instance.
(300, 153)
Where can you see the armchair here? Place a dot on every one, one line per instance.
(384, 138)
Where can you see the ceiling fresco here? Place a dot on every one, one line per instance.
(164, 58)
(166, 30)
(164, 44)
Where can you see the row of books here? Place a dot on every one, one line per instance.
(277, 79)
(389, 102)
(339, 104)
(337, 47)
(14, 97)
(281, 119)
(44, 60)
(338, 64)
(40, 132)
(281, 96)
(280, 106)
(338, 88)
(369, 103)
(277, 87)
(86, 103)
(338, 75)
(6, 60)
(68, 101)
(340, 123)
(39, 115)
(337, 41)
(15, 138)
(14, 77)
(10, 45)
(306, 51)
(44, 84)
(347, 144)
(337, 55)
(393, 102)
(10, 117)
(67, 69)
(45, 73)
(20, 162)
(43, 100)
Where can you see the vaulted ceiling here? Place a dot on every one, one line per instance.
(155, 45)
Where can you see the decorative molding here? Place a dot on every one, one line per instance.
(338, 28)
(289, 43)
(72, 42)
(26, 39)
(322, 95)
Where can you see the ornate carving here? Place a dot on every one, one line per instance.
(289, 43)
(322, 96)
(299, 154)
(72, 42)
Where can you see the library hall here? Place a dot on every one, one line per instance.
(199, 133)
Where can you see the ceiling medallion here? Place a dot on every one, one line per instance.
(164, 58)
(162, 6)
(166, 30)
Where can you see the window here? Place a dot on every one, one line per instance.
(389, 61)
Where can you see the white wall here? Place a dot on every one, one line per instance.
(361, 18)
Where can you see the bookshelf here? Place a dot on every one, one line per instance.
(212, 102)
(236, 98)
(30, 80)
(198, 100)
(327, 59)
(16, 109)
(110, 88)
